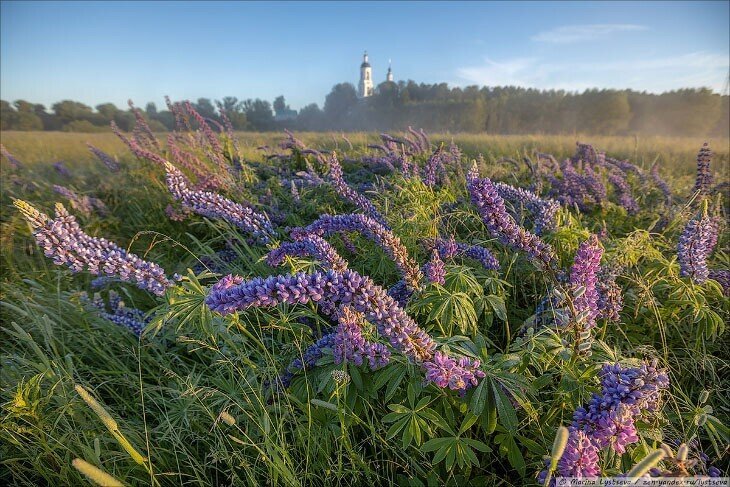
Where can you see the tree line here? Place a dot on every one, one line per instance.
(434, 107)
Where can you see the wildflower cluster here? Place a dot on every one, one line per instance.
(308, 245)
(105, 158)
(610, 297)
(14, 162)
(350, 344)
(213, 205)
(435, 269)
(131, 318)
(85, 205)
(344, 190)
(542, 210)
(63, 240)
(704, 179)
(583, 278)
(327, 224)
(695, 246)
(500, 224)
(449, 248)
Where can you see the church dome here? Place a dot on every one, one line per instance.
(365, 65)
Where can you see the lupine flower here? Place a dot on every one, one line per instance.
(138, 151)
(131, 318)
(473, 172)
(449, 248)
(371, 229)
(232, 294)
(61, 169)
(351, 346)
(542, 210)
(695, 246)
(295, 192)
(344, 190)
(501, 225)
(14, 163)
(189, 161)
(661, 184)
(435, 269)
(583, 274)
(213, 205)
(434, 167)
(623, 192)
(595, 186)
(722, 276)
(108, 160)
(207, 132)
(83, 204)
(142, 132)
(308, 245)
(580, 457)
(457, 375)
(626, 394)
(571, 189)
(63, 240)
(704, 180)
(610, 297)
(585, 152)
(309, 358)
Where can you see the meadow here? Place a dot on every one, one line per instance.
(351, 309)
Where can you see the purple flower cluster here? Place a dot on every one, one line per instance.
(308, 245)
(131, 318)
(435, 269)
(308, 359)
(695, 246)
(207, 132)
(213, 205)
(584, 274)
(434, 167)
(661, 184)
(344, 190)
(594, 185)
(704, 180)
(327, 224)
(542, 210)
(61, 169)
(350, 345)
(501, 225)
(14, 163)
(626, 393)
(722, 276)
(142, 133)
(456, 374)
(449, 248)
(623, 192)
(108, 160)
(580, 457)
(206, 179)
(85, 205)
(610, 297)
(63, 240)
(138, 151)
(331, 289)
(571, 189)
(400, 293)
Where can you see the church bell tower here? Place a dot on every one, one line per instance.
(365, 87)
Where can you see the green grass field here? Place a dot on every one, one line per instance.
(191, 402)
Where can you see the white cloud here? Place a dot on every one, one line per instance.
(568, 34)
(654, 75)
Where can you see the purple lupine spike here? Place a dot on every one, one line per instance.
(661, 184)
(343, 189)
(294, 192)
(610, 297)
(213, 205)
(570, 190)
(351, 346)
(502, 226)
(594, 185)
(623, 192)
(61, 169)
(371, 229)
(207, 132)
(704, 180)
(580, 457)
(626, 167)
(308, 245)
(108, 160)
(131, 318)
(695, 246)
(400, 293)
(627, 393)
(542, 210)
(473, 172)
(456, 374)
(584, 274)
(585, 152)
(722, 276)
(136, 149)
(14, 163)
(63, 240)
(83, 204)
(143, 133)
(434, 167)
(435, 269)
(448, 248)
(232, 294)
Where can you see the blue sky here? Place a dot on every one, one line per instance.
(99, 52)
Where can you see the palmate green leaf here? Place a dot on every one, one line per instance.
(506, 411)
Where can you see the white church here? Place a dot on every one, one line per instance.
(365, 87)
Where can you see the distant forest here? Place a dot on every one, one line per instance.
(434, 107)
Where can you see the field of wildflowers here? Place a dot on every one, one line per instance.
(330, 310)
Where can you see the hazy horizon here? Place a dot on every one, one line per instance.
(143, 51)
